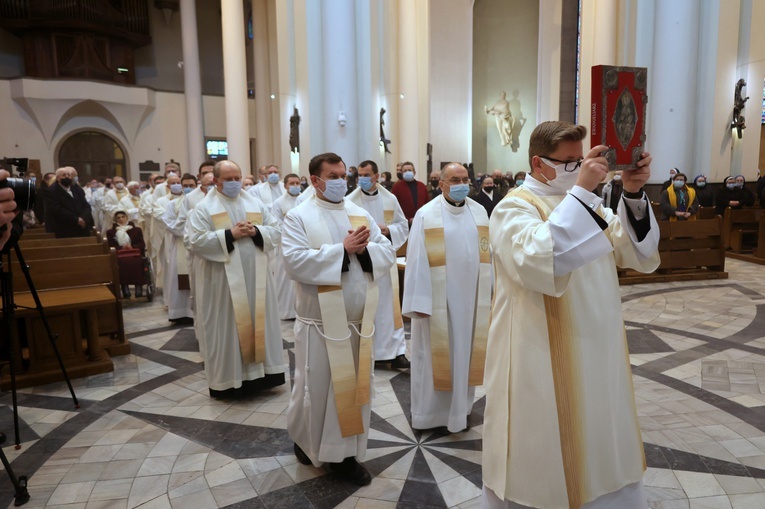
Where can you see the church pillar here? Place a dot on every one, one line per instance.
(260, 39)
(409, 106)
(672, 94)
(235, 85)
(192, 84)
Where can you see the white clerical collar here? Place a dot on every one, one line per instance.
(454, 209)
(330, 205)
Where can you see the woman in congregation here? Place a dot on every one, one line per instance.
(123, 236)
(704, 193)
(678, 202)
(734, 195)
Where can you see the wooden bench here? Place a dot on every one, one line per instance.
(80, 301)
(738, 223)
(54, 251)
(74, 241)
(689, 250)
(706, 213)
(37, 233)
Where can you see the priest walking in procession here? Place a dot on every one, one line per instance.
(447, 294)
(382, 205)
(560, 426)
(271, 189)
(334, 251)
(231, 232)
(285, 286)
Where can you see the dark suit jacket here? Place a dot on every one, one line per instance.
(487, 202)
(62, 212)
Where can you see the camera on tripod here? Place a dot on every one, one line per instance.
(23, 189)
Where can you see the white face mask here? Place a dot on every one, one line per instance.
(564, 180)
(119, 185)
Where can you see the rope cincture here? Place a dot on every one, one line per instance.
(318, 324)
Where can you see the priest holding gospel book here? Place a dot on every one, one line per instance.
(560, 426)
(335, 253)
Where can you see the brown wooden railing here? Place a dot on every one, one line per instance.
(130, 15)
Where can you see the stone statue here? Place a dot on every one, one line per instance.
(295, 131)
(503, 118)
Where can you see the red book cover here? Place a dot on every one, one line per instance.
(619, 107)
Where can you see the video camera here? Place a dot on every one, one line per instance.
(24, 191)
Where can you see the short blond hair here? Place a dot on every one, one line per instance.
(546, 137)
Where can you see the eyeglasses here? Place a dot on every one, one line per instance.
(568, 166)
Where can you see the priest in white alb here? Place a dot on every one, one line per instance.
(390, 342)
(176, 286)
(231, 232)
(284, 285)
(271, 189)
(145, 206)
(560, 426)
(334, 251)
(117, 198)
(191, 200)
(447, 294)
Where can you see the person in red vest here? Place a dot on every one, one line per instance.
(411, 194)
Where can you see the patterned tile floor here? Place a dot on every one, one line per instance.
(149, 436)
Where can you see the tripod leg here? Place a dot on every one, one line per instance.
(6, 290)
(41, 311)
(20, 483)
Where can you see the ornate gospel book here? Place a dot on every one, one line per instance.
(619, 106)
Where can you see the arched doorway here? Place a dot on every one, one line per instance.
(94, 155)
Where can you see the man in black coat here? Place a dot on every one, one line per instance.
(488, 196)
(67, 212)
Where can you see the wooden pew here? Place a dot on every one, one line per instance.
(35, 233)
(74, 241)
(51, 252)
(689, 250)
(706, 213)
(80, 301)
(739, 223)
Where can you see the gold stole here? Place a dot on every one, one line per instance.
(252, 337)
(389, 213)
(439, 321)
(563, 359)
(181, 256)
(351, 387)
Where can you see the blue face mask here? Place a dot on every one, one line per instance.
(459, 192)
(176, 188)
(731, 185)
(294, 190)
(232, 188)
(678, 184)
(335, 190)
(519, 182)
(187, 190)
(273, 178)
(408, 176)
(701, 183)
(365, 183)
(210, 187)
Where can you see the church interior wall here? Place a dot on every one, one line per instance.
(505, 49)
(451, 61)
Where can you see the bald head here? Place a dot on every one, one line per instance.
(452, 169)
(226, 166)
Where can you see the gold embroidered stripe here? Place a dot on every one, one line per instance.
(435, 247)
(566, 380)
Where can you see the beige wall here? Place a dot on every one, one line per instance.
(154, 133)
(505, 46)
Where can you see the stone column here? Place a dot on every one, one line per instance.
(263, 127)
(408, 85)
(235, 84)
(195, 133)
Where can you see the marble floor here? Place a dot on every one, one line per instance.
(148, 435)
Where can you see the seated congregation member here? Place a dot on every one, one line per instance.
(612, 192)
(67, 213)
(733, 195)
(230, 232)
(488, 196)
(704, 193)
(560, 427)
(124, 234)
(285, 287)
(447, 294)
(390, 341)
(176, 285)
(678, 201)
(334, 251)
